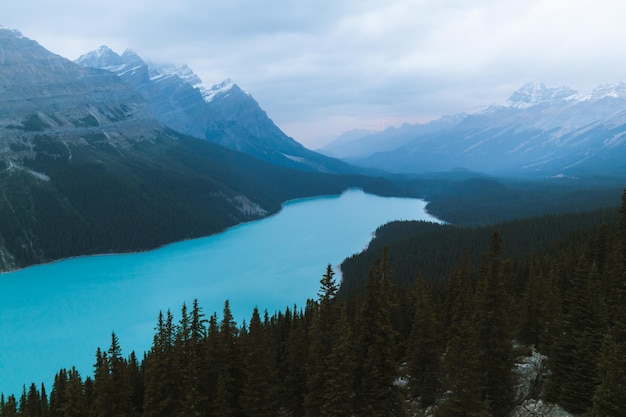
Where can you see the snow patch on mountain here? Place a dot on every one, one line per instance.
(532, 94)
(606, 90)
(222, 89)
(162, 71)
(15, 32)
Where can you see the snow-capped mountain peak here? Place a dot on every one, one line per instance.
(532, 94)
(607, 90)
(160, 71)
(103, 57)
(14, 32)
(218, 90)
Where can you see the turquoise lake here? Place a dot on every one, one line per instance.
(54, 316)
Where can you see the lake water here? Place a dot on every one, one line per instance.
(54, 316)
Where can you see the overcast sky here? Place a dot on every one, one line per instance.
(321, 67)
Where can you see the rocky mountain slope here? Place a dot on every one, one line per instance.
(539, 131)
(223, 113)
(85, 168)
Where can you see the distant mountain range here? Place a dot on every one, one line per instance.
(86, 167)
(223, 113)
(539, 131)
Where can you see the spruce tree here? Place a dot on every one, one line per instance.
(573, 363)
(340, 367)
(376, 392)
(229, 380)
(423, 353)
(259, 396)
(294, 388)
(322, 339)
(112, 391)
(58, 395)
(461, 364)
(75, 404)
(10, 407)
(161, 396)
(191, 361)
(610, 395)
(492, 325)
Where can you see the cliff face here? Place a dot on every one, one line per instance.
(44, 94)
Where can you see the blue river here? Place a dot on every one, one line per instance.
(55, 315)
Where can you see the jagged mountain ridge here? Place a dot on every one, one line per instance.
(39, 91)
(85, 168)
(223, 114)
(539, 131)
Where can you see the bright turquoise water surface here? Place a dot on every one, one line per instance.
(55, 316)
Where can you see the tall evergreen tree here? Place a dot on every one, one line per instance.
(58, 395)
(75, 404)
(574, 360)
(191, 361)
(340, 366)
(461, 363)
(610, 394)
(492, 324)
(321, 341)
(10, 407)
(423, 352)
(294, 387)
(376, 392)
(161, 396)
(112, 390)
(229, 379)
(259, 396)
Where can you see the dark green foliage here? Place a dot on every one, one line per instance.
(375, 348)
(101, 198)
(424, 350)
(484, 201)
(259, 394)
(452, 338)
(431, 250)
(578, 343)
(329, 364)
(491, 323)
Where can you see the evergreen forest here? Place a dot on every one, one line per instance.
(443, 341)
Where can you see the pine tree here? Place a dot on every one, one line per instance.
(322, 339)
(294, 388)
(576, 351)
(259, 396)
(610, 395)
(461, 363)
(191, 361)
(58, 396)
(112, 391)
(135, 378)
(495, 348)
(75, 404)
(340, 367)
(162, 383)
(10, 407)
(329, 359)
(375, 390)
(423, 353)
(229, 381)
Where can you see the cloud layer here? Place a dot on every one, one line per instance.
(322, 67)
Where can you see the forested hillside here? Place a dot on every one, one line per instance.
(98, 198)
(391, 349)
